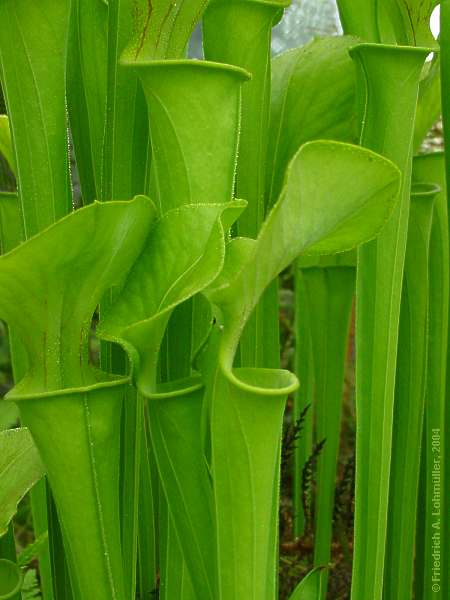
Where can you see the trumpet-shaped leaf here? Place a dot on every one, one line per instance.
(409, 398)
(11, 579)
(405, 22)
(388, 117)
(175, 426)
(247, 45)
(244, 407)
(431, 167)
(73, 410)
(315, 215)
(195, 161)
(249, 24)
(313, 97)
(51, 285)
(20, 468)
(174, 266)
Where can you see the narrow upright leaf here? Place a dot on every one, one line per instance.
(20, 468)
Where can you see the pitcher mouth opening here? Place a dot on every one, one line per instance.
(188, 62)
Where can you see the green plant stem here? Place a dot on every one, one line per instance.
(409, 399)
(87, 90)
(247, 45)
(33, 49)
(11, 235)
(211, 94)
(147, 532)
(445, 409)
(432, 167)
(92, 420)
(388, 85)
(246, 411)
(331, 291)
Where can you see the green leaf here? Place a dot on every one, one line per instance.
(175, 426)
(445, 415)
(431, 167)
(173, 266)
(11, 226)
(313, 97)
(62, 398)
(315, 215)
(9, 415)
(162, 28)
(246, 414)
(33, 46)
(87, 72)
(210, 93)
(429, 102)
(33, 550)
(330, 293)
(81, 428)
(20, 468)
(388, 118)
(247, 44)
(409, 398)
(11, 578)
(403, 22)
(6, 147)
(244, 407)
(310, 586)
(68, 280)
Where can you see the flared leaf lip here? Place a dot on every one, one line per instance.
(13, 591)
(139, 198)
(116, 335)
(188, 62)
(424, 191)
(290, 382)
(110, 381)
(419, 50)
(174, 389)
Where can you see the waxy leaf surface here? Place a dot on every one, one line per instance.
(51, 285)
(313, 97)
(316, 214)
(175, 265)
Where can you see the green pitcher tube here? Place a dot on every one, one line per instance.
(431, 167)
(409, 398)
(84, 446)
(72, 409)
(239, 32)
(33, 47)
(388, 80)
(444, 41)
(331, 292)
(194, 115)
